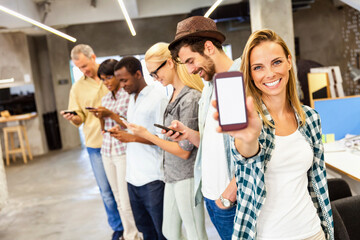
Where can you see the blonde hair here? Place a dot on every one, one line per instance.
(159, 52)
(251, 90)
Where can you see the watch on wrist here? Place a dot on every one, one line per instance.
(226, 202)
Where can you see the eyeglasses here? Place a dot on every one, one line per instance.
(154, 73)
(107, 77)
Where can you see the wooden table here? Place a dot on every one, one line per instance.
(20, 117)
(13, 119)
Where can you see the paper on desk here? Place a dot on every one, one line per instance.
(337, 146)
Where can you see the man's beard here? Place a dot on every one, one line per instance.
(210, 68)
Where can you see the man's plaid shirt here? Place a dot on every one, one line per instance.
(251, 193)
(118, 106)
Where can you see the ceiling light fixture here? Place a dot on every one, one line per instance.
(9, 80)
(127, 18)
(36, 23)
(215, 5)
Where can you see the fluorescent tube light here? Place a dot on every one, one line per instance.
(127, 18)
(215, 5)
(9, 80)
(36, 23)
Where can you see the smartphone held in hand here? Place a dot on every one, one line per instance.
(70, 111)
(230, 99)
(166, 128)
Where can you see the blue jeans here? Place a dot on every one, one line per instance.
(147, 206)
(105, 189)
(223, 219)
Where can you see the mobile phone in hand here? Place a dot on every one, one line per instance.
(166, 128)
(230, 99)
(90, 108)
(70, 111)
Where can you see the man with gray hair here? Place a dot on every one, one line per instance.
(88, 92)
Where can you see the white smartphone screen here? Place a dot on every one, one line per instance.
(230, 100)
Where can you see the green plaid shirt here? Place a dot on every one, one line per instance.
(249, 173)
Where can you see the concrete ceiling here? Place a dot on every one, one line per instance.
(69, 12)
(59, 13)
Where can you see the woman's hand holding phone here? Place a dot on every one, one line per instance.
(177, 132)
(100, 112)
(166, 129)
(252, 131)
(246, 139)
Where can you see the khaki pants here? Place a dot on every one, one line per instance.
(115, 168)
(319, 236)
(179, 209)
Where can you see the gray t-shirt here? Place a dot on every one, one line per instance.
(185, 109)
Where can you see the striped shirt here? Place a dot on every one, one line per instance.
(118, 105)
(249, 174)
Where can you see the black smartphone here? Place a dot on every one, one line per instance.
(166, 128)
(71, 112)
(230, 99)
(90, 108)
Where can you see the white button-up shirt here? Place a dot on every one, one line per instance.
(143, 161)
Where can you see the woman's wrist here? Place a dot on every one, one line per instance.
(247, 149)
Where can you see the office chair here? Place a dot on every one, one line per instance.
(346, 212)
(338, 188)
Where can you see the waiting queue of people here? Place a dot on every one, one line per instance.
(267, 181)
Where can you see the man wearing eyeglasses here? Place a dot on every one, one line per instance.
(143, 159)
(88, 92)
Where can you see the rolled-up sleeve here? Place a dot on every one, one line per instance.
(189, 117)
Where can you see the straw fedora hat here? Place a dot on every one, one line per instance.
(197, 26)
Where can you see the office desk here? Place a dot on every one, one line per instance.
(342, 160)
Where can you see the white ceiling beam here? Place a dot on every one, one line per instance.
(353, 3)
(69, 12)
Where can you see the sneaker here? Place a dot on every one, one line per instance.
(117, 235)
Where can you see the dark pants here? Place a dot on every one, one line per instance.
(223, 219)
(147, 206)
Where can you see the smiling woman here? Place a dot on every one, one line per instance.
(106, 74)
(270, 69)
(280, 154)
(114, 106)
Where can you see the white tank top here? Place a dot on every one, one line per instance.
(288, 212)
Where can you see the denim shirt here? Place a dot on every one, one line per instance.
(250, 179)
(204, 104)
